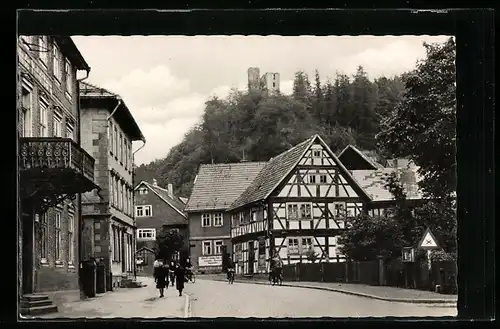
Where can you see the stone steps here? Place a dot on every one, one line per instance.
(37, 304)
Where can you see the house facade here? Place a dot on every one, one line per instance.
(53, 168)
(157, 209)
(109, 226)
(216, 186)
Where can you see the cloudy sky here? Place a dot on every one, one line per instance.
(165, 80)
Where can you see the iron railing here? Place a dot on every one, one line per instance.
(55, 153)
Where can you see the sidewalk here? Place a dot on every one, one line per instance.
(385, 293)
(128, 303)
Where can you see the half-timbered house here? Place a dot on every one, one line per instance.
(295, 206)
(298, 204)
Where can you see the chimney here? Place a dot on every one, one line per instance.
(155, 182)
(170, 189)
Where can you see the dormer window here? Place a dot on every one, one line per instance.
(143, 190)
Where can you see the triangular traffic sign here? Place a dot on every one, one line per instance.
(428, 241)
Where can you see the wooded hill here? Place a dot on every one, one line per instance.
(254, 126)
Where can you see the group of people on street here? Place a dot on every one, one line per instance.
(173, 270)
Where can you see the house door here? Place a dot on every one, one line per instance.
(251, 257)
(27, 251)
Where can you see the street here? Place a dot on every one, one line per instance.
(209, 299)
(219, 299)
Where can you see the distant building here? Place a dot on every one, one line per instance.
(268, 82)
(157, 209)
(215, 188)
(109, 229)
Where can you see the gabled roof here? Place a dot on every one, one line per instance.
(162, 193)
(69, 49)
(89, 91)
(279, 167)
(373, 182)
(145, 248)
(349, 151)
(217, 185)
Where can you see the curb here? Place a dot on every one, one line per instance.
(359, 294)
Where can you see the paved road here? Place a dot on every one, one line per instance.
(219, 299)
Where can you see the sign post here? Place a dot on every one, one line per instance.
(428, 243)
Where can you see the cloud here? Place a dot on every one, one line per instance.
(149, 88)
(160, 138)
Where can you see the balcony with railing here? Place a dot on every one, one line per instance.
(54, 168)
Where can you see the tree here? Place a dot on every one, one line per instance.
(422, 127)
(302, 88)
(168, 242)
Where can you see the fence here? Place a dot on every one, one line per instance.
(378, 272)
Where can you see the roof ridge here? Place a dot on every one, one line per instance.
(100, 88)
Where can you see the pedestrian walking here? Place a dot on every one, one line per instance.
(180, 277)
(171, 273)
(160, 276)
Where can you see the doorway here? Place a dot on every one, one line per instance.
(251, 257)
(27, 251)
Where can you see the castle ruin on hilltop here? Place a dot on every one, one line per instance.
(268, 82)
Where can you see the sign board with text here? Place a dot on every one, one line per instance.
(207, 261)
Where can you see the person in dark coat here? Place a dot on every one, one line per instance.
(171, 272)
(180, 276)
(160, 275)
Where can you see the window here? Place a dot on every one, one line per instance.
(293, 211)
(274, 84)
(57, 125)
(70, 130)
(296, 211)
(242, 217)
(293, 246)
(218, 219)
(322, 179)
(253, 215)
(58, 236)
(125, 159)
(111, 189)
(307, 243)
(43, 49)
(120, 195)
(205, 220)
(116, 244)
(339, 210)
(115, 139)
(305, 211)
(143, 190)
(218, 247)
(44, 236)
(121, 147)
(69, 79)
(110, 137)
(207, 247)
(71, 242)
(312, 179)
(317, 153)
(146, 234)
(56, 64)
(25, 119)
(143, 211)
(115, 191)
(43, 119)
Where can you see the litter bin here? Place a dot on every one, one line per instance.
(89, 277)
(100, 277)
